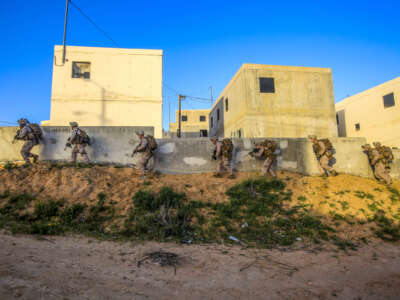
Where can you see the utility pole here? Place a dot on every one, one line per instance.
(65, 30)
(211, 96)
(169, 117)
(180, 97)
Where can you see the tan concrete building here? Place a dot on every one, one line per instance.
(275, 101)
(107, 87)
(374, 114)
(194, 123)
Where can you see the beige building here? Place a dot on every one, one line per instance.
(107, 87)
(374, 114)
(275, 101)
(194, 123)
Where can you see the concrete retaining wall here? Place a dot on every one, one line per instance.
(192, 155)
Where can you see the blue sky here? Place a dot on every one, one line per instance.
(204, 43)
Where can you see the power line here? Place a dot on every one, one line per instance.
(5, 122)
(94, 24)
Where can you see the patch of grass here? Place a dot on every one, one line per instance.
(345, 205)
(10, 165)
(387, 230)
(363, 195)
(394, 195)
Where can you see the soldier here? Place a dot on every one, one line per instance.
(266, 150)
(27, 134)
(379, 165)
(322, 149)
(147, 146)
(223, 153)
(80, 140)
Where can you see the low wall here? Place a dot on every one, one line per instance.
(192, 155)
(109, 144)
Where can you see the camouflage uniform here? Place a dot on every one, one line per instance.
(26, 134)
(79, 147)
(381, 172)
(270, 158)
(146, 153)
(324, 156)
(224, 163)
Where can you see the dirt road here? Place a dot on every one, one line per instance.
(82, 268)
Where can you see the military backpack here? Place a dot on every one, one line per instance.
(36, 131)
(151, 143)
(327, 143)
(386, 153)
(83, 137)
(227, 148)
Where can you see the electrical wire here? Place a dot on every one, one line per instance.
(11, 123)
(93, 23)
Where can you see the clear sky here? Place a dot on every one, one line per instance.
(204, 42)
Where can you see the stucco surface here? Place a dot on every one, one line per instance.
(193, 155)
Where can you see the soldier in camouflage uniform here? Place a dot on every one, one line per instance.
(146, 153)
(76, 139)
(377, 162)
(324, 156)
(26, 134)
(224, 158)
(266, 150)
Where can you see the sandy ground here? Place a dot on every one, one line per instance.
(82, 268)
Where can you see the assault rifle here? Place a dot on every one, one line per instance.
(214, 156)
(15, 137)
(68, 144)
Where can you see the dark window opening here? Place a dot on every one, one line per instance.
(357, 127)
(202, 118)
(212, 122)
(81, 70)
(239, 133)
(267, 85)
(388, 100)
(226, 104)
(184, 118)
(337, 119)
(218, 114)
(203, 133)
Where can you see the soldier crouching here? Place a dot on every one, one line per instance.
(379, 162)
(26, 134)
(223, 154)
(323, 150)
(147, 146)
(78, 139)
(266, 150)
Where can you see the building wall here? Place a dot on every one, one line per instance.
(124, 89)
(193, 125)
(302, 104)
(114, 144)
(376, 122)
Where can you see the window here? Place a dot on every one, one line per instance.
(203, 133)
(267, 85)
(81, 70)
(218, 114)
(239, 133)
(202, 118)
(357, 127)
(337, 118)
(388, 100)
(184, 118)
(212, 122)
(226, 104)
